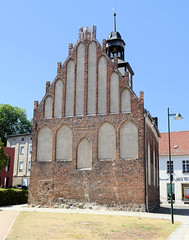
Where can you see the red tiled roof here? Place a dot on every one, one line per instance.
(179, 143)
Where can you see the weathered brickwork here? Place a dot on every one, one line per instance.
(117, 183)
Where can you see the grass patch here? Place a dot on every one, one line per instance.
(71, 226)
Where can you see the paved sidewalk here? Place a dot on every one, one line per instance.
(181, 215)
(7, 219)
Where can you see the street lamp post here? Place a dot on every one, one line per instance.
(177, 117)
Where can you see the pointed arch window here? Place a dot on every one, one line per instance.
(128, 140)
(91, 104)
(64, 144)
(125, 101)
(80, 80)
(48, 107)
(44, 144)
(102, 88)
(58, 99)
(106, 142)
(70, 89)
(84, 155)
(114, 93)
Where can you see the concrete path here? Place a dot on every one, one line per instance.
(7, 219)
(181, 214)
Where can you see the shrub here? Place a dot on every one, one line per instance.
(13, 196)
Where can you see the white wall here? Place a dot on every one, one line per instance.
(16, 142)
(179, 177)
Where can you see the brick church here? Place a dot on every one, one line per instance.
(93, 141)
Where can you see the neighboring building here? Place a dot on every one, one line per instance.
(179, 166)
(6, 174)
(93, 141)
(22, 144)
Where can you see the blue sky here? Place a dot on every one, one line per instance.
(34, 36)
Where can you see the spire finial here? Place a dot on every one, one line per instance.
(114, 18)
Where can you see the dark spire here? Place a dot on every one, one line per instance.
(114, 22)
(115, 44)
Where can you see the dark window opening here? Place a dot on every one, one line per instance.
(185, 166)
(172, 169)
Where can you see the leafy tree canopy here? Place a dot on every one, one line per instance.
(13, 120)
(4, 159)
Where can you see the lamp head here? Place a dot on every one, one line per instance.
(178, 116)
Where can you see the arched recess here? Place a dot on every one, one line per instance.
(64, 144)
(70, 89)
(114, 93)
(102, 88)
(84, 154)
(106, 142)
(149, 163)
(91, 105)
(80, 80)
(48, 107)
(44, 144)
(128, 140)
(125, 101)
(58, 99)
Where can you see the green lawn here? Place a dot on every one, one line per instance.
(44, 226)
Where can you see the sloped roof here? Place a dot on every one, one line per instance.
(179, 143)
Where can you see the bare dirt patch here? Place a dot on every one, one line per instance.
(68, 226)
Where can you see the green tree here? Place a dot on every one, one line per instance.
(4, 159)
(13, 120)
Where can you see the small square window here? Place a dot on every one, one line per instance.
(22, 139)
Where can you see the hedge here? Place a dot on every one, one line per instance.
(13, 196)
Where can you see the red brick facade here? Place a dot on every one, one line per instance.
(118, 183)
(6, 175)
